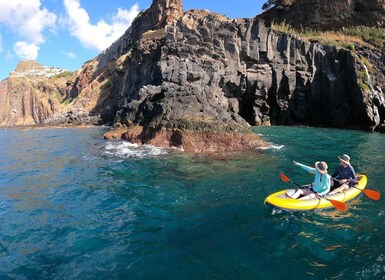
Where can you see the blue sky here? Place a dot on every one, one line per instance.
(67, 33)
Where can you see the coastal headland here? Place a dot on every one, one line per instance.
(198, 81)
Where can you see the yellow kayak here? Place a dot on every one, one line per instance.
(280, 200)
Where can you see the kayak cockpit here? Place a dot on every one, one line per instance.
(281, 200)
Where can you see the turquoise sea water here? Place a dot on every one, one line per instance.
(73, 206)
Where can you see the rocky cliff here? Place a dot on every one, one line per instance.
(177, 78)
(328, 14)
(205, 71)
(34, 93)
(26, 97)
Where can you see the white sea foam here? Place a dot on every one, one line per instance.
(123, 149)
(267, 135)
(91, 158)
(275, 211)
(272, 147)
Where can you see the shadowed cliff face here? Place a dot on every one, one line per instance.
(329, 14)
(208, 72)
(201, 71)
(175, 74)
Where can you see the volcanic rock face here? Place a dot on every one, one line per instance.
(215, 73)
(174, 78)
(26, 97)
(329, 14)
(35, 95)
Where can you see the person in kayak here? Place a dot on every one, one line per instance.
(343, 176)
(320, 185)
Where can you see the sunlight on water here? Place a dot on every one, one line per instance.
(74, 206)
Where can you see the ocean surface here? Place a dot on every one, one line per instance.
(74, 206)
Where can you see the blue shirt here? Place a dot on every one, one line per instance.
(321, 182)
(345, 173)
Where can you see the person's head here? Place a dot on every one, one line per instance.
(322, 167)
(344, 159)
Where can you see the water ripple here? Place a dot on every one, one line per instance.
(73, 206)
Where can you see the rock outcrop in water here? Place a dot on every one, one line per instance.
(176, 78)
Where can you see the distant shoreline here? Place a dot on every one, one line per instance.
(36, 127)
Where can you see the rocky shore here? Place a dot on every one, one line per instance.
(198, 81)
(191, 141)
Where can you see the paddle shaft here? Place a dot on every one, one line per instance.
(339, 205)
(375, 195)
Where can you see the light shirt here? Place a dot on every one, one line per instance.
(321, 182)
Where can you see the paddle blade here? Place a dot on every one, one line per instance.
(372, 194)
(339, 205)
(284, 178)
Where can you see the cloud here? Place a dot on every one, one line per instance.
(26, 51)
(1, 44)
(27, 19)
(69, 54)
(101, 35)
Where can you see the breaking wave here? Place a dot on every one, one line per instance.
(123, 150)
(272, 147)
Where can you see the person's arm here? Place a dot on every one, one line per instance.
(353, 178)
(307, 168)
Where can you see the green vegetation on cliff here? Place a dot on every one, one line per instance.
(63, 74)
(346, 37)
(372, 35)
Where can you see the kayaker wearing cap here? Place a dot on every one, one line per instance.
(343, 176)
(321, 184)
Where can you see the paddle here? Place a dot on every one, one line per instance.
(370, 193)
(375, 195)
(287, 179)
(339, 205)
